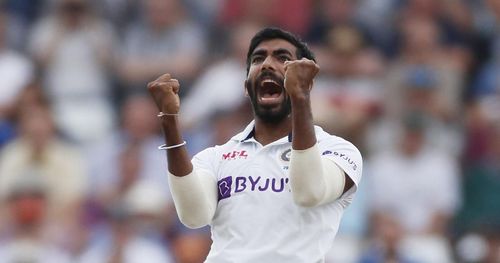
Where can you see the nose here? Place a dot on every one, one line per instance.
(268, 64)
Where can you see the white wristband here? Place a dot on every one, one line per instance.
(162, 114)
(165, 147)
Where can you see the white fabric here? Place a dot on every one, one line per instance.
(256, 219)
(16, 72)
(427, 248)
(62, 168)
(103, 159)
(214, 91)
(76, 77)
(195, 197)
(28, 250)
(314, 181)
(146, 197)
(415, 189)
(136, 250)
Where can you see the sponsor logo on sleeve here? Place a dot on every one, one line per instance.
(342, 156)
(326, 152)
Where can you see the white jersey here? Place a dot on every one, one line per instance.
(256, 218)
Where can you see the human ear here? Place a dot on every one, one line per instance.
(245, 87)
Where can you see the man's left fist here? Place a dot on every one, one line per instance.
(299, 75)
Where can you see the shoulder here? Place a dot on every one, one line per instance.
(331, 144)
(345, 154)
(206, 154)
(214, 154)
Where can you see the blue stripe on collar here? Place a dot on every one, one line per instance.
(250, 135)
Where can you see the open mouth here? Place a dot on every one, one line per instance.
(270, 91)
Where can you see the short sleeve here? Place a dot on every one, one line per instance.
(345, 155)
(205, 160)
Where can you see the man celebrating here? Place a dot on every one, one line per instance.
(276, 191)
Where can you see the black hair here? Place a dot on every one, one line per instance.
(269, 33)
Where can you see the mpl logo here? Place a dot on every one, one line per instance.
(234, 155)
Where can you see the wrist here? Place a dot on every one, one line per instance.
(163, 114)
(299, 89)
(300, 97)
(169, 120)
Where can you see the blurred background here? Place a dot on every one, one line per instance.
(414, 84)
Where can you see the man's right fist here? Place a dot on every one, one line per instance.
(165, 93)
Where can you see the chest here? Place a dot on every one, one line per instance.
(253, 172)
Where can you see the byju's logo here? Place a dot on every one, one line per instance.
(224, 185)
(344, 157)
(250, 184)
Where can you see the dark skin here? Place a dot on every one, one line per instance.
(276, 57)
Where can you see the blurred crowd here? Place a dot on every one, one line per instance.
(414, 84)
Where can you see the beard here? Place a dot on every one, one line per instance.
(268, 114)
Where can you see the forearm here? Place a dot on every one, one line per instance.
(314, 180)
(303, 136)
(179, 163)
(193, 191)
(195, 197)
(194, 194)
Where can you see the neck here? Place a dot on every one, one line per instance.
(266, 132)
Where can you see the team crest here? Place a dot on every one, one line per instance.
(285, 156)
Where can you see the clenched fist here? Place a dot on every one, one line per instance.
(299, 75)
(165, 93)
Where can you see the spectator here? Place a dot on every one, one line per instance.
(26, 202)
(216, 90)
(120, 13)
(485, 93)
(158, 43)
(136, 235)
(346, 95)
(74, 50)
(21, 15)
(332, 13)
(269, 12)
(39, 148)
(421, 47)
(415, 187)
(16, 71)
(378, 18)
(386, 246)
(413, 156)
(480, 213)
(379, 60)
(420, 91)
(136, 142)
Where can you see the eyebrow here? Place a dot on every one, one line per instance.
(259, 52)
(281, 51)
(278, 51)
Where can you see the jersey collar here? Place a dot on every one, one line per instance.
(249, 132)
